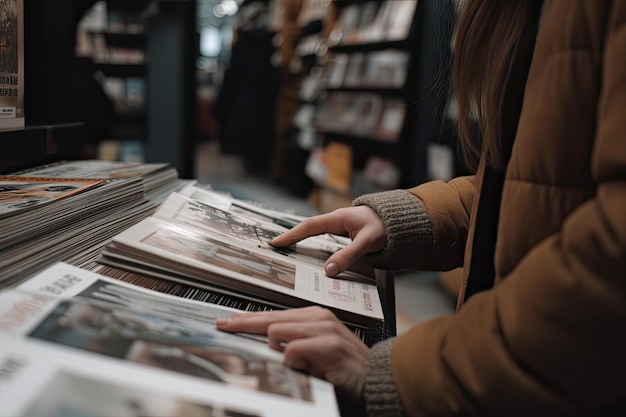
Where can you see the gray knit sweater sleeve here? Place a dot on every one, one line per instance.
(409, 232)
(379, 391)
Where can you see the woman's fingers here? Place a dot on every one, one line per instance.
(341, 222)
(337, 359)
(311, 226)
(344, 258)
(313, 341)
(325, 349)
(368, 236)
(361, 224)
(258, 323)
(282, 333)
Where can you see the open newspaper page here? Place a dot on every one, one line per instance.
(251, 231)
(192, 239)
(229, 203)
(320, 246)
(74, 342)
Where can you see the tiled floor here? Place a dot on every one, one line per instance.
(418, 296)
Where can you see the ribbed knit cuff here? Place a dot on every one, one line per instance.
(409, 232)
(379, 392)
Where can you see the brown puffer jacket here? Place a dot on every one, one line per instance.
(549, 338)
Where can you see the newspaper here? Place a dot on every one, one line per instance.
(188, 238)
(73, 342)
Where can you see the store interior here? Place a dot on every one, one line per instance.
(301, 105)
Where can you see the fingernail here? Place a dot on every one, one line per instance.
(332, 269)
(221, 321)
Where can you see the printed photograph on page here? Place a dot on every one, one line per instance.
(169, 344)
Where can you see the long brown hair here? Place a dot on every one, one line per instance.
(492, 53)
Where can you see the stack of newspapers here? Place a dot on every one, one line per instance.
(59, 211)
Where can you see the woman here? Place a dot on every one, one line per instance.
(541, 316)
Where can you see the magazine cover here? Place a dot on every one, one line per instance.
(74, 340)
(11, 64)
(18, 194)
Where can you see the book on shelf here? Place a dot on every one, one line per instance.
(355, 69)
(115, 88)
(196, 240)
(385, 69)
(74, 342)
(370, 27)
(128, 94)
(311, 85)
(135, 93)
(369, 111)
(338, 157)
(336, 70)
(345, 28)
(123, 56)
(373, 21)
(120, 21)
(361, 114)
(399, 18)
(381, 173)
(12, 65)
(311, 11)
(391, 120)
(95, 18)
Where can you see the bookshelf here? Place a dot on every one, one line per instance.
(112, 37)
(374, 88)
(145, 52)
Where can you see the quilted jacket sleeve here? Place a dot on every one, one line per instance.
(549, 339)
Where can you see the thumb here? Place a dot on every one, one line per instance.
(343, 259)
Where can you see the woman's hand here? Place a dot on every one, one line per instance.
(360, 223)
(313, 341)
